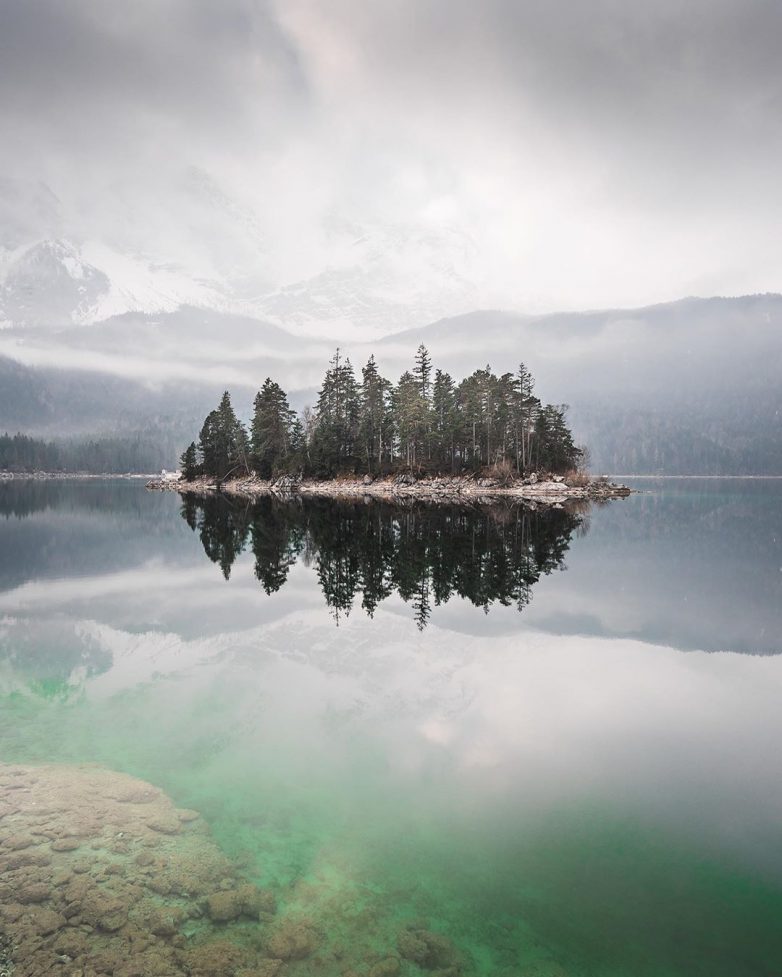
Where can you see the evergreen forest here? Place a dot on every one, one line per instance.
(426, 423)
(21, 454)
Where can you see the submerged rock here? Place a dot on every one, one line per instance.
(264, 968)
(120, 906)
(294, 940)
(389, 967)
(431, 951)
(247, 900)
(216, 959)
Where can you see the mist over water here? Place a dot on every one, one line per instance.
(582, 782)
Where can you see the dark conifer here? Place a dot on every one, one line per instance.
(189, 462)
(270, 430)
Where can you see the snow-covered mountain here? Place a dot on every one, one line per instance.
(55, 283)
(359, 279)
(50, 284)
(384, 278)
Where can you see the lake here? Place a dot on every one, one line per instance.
(549, 737)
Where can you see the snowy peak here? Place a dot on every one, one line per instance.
(50, 284)
(385, 278)
(199, 247)
(56, 283)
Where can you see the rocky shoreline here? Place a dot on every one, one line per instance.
(405, 488)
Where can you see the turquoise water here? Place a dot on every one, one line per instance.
(587, 786)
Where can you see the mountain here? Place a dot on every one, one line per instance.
(54, 283)
(59, 265)
(75, 405)
(683, 387)
(349, 278)
(115, 336)
(690, 387)
(388, 277)
(50, 283)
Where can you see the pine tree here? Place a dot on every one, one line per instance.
(407, 407)
(423, 371)
(555, 448)
(188, 463)
(469, 407)
(209, 447)
(297, 458)
(270, 431)
(525, 410)
(444, 420)
(373, 410)
(337, 413)
(222, 442)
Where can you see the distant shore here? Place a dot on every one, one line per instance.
(397, 488)
(51, 476)
(652, 478)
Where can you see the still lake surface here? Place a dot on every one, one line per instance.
(553, 737)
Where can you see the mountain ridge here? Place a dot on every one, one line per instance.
(682, 387)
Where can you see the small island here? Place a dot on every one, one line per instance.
(427, 437)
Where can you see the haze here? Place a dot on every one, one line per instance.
(521, 155)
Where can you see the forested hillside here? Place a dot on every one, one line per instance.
(689, 387)
(94, 456)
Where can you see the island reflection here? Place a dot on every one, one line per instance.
(424, 553)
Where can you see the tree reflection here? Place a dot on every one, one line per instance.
(425, 553)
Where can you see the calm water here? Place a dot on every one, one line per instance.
(553, 736)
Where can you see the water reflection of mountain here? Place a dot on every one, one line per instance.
(426, 554)
(50, 657)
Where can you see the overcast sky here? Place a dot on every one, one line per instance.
(597, 152)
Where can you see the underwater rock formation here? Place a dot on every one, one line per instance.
(101, 874)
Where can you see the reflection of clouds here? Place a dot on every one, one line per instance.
(152, 578)
(437, 731)
(530, 719)
(186, 600)
(573, 706)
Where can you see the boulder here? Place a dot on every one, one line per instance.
(246, 900)
(43, 922)
(431, 951)
(165, 921)
(107, 914)
(389, 967)
(18, 842)
(165, 824)
(216, 958)
(65, 844)
(187, 816)
(33, 893)
(264, 968)
(293, 941)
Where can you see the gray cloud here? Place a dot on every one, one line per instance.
(597, 151)
(188, 64)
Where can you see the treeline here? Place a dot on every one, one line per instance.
(700, 439)
(95, 456)
(426, 422)
(425, 554)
